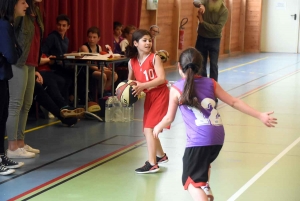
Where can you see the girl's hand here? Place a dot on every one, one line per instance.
(156, 132)
(138, 88)
(267, 119)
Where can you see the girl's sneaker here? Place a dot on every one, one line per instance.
(163, 159)
(147, 168)
(10, 163)
(5, 171)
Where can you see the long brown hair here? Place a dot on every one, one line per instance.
(190, 61)
(131, 50)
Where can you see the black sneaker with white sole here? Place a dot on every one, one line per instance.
(10, 163)
(5, 171)
(147, 168)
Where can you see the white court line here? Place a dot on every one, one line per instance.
(262, 171)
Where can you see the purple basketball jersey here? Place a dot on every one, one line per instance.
(203, 127)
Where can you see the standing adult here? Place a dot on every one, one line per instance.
(9, 54)
(29, 30)
(212, 17)
(154, 31)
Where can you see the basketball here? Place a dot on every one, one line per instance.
(163, 54)
(124, 92)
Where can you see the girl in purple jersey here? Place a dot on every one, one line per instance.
(195, 96)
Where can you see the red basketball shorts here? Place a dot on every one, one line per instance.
(155, 106)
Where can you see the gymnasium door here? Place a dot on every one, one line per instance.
(280, 26)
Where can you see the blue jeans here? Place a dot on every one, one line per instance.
(209, 47)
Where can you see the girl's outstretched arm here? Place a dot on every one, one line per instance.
(169, 117)
(243, 107)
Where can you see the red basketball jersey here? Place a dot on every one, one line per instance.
(145, 71)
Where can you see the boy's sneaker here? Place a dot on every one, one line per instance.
(208, 192)
(163, 159)
(30, 149)
(67, 112)
(5, 171)
(20, 153)
(9, 163)
(147, 168)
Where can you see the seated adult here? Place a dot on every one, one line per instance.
(66, 116)
(154, 31)
(91, 46)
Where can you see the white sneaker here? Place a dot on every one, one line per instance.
(5, 171)
(30, 149)
(20, 153)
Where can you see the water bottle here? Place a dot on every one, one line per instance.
(117, 111)
(108, 110)
(131, 112)
(126, 113)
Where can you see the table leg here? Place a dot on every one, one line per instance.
(75, 86)
(102, 87)
(113, 79)
(87, 96)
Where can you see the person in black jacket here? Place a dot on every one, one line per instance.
(9, 54)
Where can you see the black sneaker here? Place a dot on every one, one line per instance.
(9, 163)
(147, 168)
(163, 159)
(5, 171)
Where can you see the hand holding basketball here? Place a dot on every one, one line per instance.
(138, 88)
(124, 92)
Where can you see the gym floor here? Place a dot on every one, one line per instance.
(96, 160)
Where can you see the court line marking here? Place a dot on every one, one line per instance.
(228, 69)
(37, 128)
(262, 171)
(76, 172)
(277, 158)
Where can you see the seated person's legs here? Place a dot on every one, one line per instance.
(67, 75)
(108, 73)
(45, 100)
(97, 75)
(55, 86)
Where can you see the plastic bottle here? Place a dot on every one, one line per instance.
(108, 110)
(126, 117)
(130, 112)
(117, 111)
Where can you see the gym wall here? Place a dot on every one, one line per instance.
(240, 34)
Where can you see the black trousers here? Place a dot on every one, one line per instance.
(57, 87)
(43, 98)
(209, 47)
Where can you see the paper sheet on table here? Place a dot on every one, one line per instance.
(96, 57)
(78, 54)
